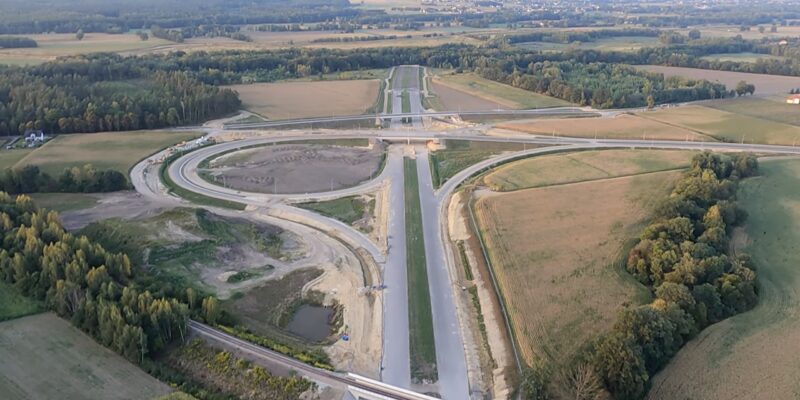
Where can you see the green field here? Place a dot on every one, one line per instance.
(741, 57)
(506, 95)
(557, 169)
(9, 158)
(622, 43)
(420, 319)
(773, 110)
(14, 305)
(44, 357)
(728, 126)
(346, 209)
(63, 201)
(110, 150)
(744, 351)
(65, 44)
(460, 154)
(406, 100)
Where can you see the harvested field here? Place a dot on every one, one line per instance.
(295, 168)
(288, 100)
(773, 110)
(44, 357)
(556, 255)
(752, 355)
(625, 126)
(559, 169)
(470, 92)
(109, 150)
(727, 126)
(65, 44)
(765, 84)
(741, 57)
(621, 43)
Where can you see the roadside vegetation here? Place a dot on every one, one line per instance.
(559, 169)
(460, 154)
(349, 209)
(423, 348)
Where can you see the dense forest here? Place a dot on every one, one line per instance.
(14, 42)
(105, 93)
(30, 179)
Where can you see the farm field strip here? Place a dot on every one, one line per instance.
(497, 94)
(765, 84)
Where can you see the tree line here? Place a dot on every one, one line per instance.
(84, 283)
(105, 93)
(14, 42)
(684, 257)
(86, 179)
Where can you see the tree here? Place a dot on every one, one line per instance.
(743, 88)
(774, 28)
(761, 29)
(211, 310)
(694, 34)
(79, 35)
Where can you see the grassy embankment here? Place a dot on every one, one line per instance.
(423, 348)
(346, 209)
(460, 154)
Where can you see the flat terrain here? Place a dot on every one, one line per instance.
(556, 253)
(753, 355)
(741, 57)
(621, 127)
(583, 166)
(44, 357)
(728, 126)
(295, 168)
(9, 158)
(109, 150)
(460, 154)
(14, 305)
(765, 84)
(775, 110)
(64, 44)
(287, 100)
(62, 202)
(470, 92)
(622, 43)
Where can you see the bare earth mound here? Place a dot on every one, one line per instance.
(752, 355)
(296, 168)
(554, 252)
(287, 100)
(44, 357)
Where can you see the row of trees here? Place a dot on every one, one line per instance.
(14, 42)
(105, 93)
(684, 257)
(84, 283)
(30, 179)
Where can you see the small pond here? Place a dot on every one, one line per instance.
(311, 322)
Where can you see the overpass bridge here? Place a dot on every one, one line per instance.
(360, 387)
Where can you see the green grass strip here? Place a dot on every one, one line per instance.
(422, 346)
(196, 198)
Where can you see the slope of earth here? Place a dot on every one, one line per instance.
(753, 355)
(556, 253)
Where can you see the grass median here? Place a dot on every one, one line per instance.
(422, 346)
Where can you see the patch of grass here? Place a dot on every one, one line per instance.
(729, 126)
(64, 201)
(15, 305)
(555, 169)
(423, 348)
(460, 154)
(741, 57)
(242, 276)
(346, 209)
(758, 107)
(505, 95)
(406, 99)
(44, 357)
(621, 43)
(110, 150)
(10, 158)
(196, 198)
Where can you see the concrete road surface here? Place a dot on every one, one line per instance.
(450, 356)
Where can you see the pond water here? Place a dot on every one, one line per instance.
(311, 322)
